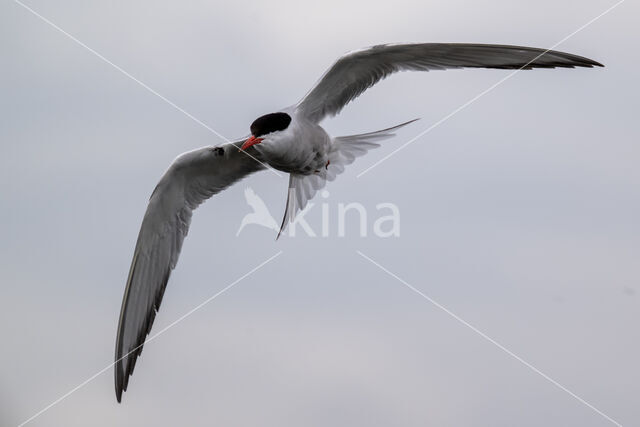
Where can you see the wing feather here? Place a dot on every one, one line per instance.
(190, 180)
(357, 71)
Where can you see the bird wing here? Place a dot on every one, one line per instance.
(357, 71)
(191, 179)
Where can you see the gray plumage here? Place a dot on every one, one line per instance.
(191, 179)
(357, 71)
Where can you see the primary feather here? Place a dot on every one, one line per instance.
(191, 179)
(357, 71)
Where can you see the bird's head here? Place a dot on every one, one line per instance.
(264, 126)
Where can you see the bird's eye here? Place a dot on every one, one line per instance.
(219, 151)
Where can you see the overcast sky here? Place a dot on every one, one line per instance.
(519, 214)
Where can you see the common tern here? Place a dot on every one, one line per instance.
(290, 140)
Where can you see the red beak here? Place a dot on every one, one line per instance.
(251, 141)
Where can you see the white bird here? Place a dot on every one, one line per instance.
(260, 214)
(292, 141)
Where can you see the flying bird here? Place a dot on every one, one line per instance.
(289, 140)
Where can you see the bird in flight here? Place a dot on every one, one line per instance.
(289, 140)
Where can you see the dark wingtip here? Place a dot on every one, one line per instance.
(119, 383)
(588, 62)
(119, 394)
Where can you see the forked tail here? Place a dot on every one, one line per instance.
(345, 150)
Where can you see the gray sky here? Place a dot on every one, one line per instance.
(519, 214)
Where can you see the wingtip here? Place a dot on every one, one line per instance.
(120, 388)
(588, 62)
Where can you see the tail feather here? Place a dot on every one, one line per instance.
(379, 134)
(349, 147)
(345, 150)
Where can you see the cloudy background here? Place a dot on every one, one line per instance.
(519, 214)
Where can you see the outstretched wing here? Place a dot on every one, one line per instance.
(357, 71)
(191, 179)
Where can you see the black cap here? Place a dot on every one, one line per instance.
(270, 123)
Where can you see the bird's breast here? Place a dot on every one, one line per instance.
(300, 149)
